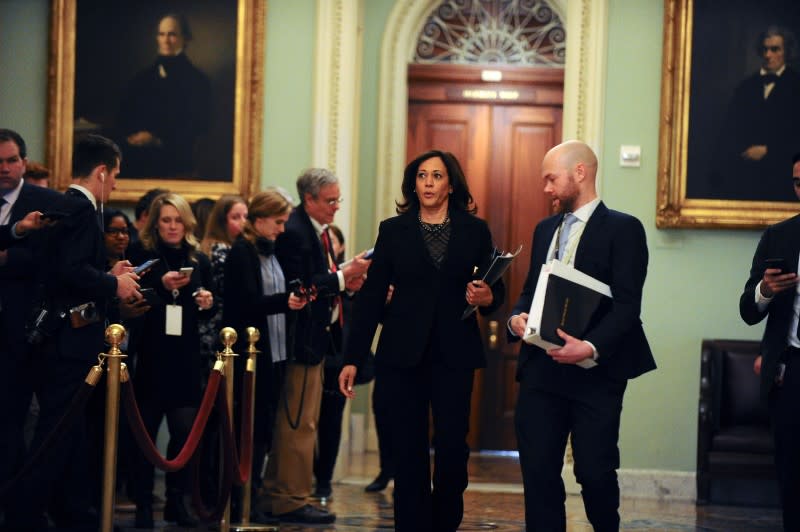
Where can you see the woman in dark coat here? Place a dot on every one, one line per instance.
(256, 295)
(167, 379)
(427, 354)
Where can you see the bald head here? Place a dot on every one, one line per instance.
(569, 171)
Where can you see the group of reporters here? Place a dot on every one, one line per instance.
(417, 283)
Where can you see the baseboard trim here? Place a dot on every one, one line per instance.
(676, 486)
(645, 484)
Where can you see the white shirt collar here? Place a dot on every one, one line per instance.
(318, 227)
(85, 191)
(12, 195)
(779, 73)
(585, 212)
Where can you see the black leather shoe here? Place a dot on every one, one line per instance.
(307, 515)
(263, 518)
(144, 516)
(379, 484)
(175, 511)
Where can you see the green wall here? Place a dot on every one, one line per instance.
(695, 276)
(288, 91)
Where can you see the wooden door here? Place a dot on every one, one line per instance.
(500, 144)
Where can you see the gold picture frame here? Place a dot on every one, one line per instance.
(246, 102)
(674, 208)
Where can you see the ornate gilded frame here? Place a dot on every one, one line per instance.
(248, 108)
(673, 208)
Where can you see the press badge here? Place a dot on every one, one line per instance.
(174, 320)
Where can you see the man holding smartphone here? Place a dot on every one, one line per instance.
(72, 273)
(772, 292)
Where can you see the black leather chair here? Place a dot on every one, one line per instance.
(733, 434)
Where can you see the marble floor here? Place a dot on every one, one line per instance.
(493, 501)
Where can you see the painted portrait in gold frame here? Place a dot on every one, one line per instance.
(101, 51)
(713, 55)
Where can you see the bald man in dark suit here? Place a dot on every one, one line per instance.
(557, 397)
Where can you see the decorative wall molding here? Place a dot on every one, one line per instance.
(584, 89)
(337, 96)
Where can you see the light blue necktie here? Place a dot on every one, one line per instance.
(563, 235)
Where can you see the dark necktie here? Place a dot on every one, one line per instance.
(326, 245)
(766, 79)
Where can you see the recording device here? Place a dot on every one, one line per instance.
(145, 266)
(368, 253)
(44, 324)
(53, 216)
(779, 263)
(83, 315)
(149, 295)
(187, 271)
(296, 287)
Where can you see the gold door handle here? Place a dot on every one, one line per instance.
(493, 328)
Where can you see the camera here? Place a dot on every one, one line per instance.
(295, 286)
(83, 315)
(44, 323)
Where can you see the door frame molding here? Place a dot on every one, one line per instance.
(584, 83)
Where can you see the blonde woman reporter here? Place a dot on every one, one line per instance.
(168, 380)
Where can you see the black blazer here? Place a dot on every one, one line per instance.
(612, 249)
(781, 240)
(301, 256)
(427, 303)
(6, 240)
(245, 305)
(74, 273)
(18, 274)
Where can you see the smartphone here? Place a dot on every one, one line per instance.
(150, 296)
(368, 253)
(145, 266)
(53, 215)
(779, 263)
(187, 271)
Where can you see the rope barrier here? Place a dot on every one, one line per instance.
(77, 405)
(144, 440)
(229, 465)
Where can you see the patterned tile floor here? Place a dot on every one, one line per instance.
(494, 502)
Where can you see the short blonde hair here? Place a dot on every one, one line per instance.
(149, 235)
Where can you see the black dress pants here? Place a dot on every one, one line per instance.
(543, 421)
(413, 393)
(381, 409)
(785, 419)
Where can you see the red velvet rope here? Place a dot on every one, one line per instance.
(144, 440)
(233, 470)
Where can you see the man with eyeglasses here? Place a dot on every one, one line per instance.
(17, 199)
(304, 252)
(772, 292)
(761, 133)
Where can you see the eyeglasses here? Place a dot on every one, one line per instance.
(796, 182)
(117, 231)
(773, 49)
(335, 201)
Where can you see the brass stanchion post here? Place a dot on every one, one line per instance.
(228, 337)
(115, 334)
(252, 338)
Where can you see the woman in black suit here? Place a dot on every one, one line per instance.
(167, 378)
(427, 354)
(256, 296)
